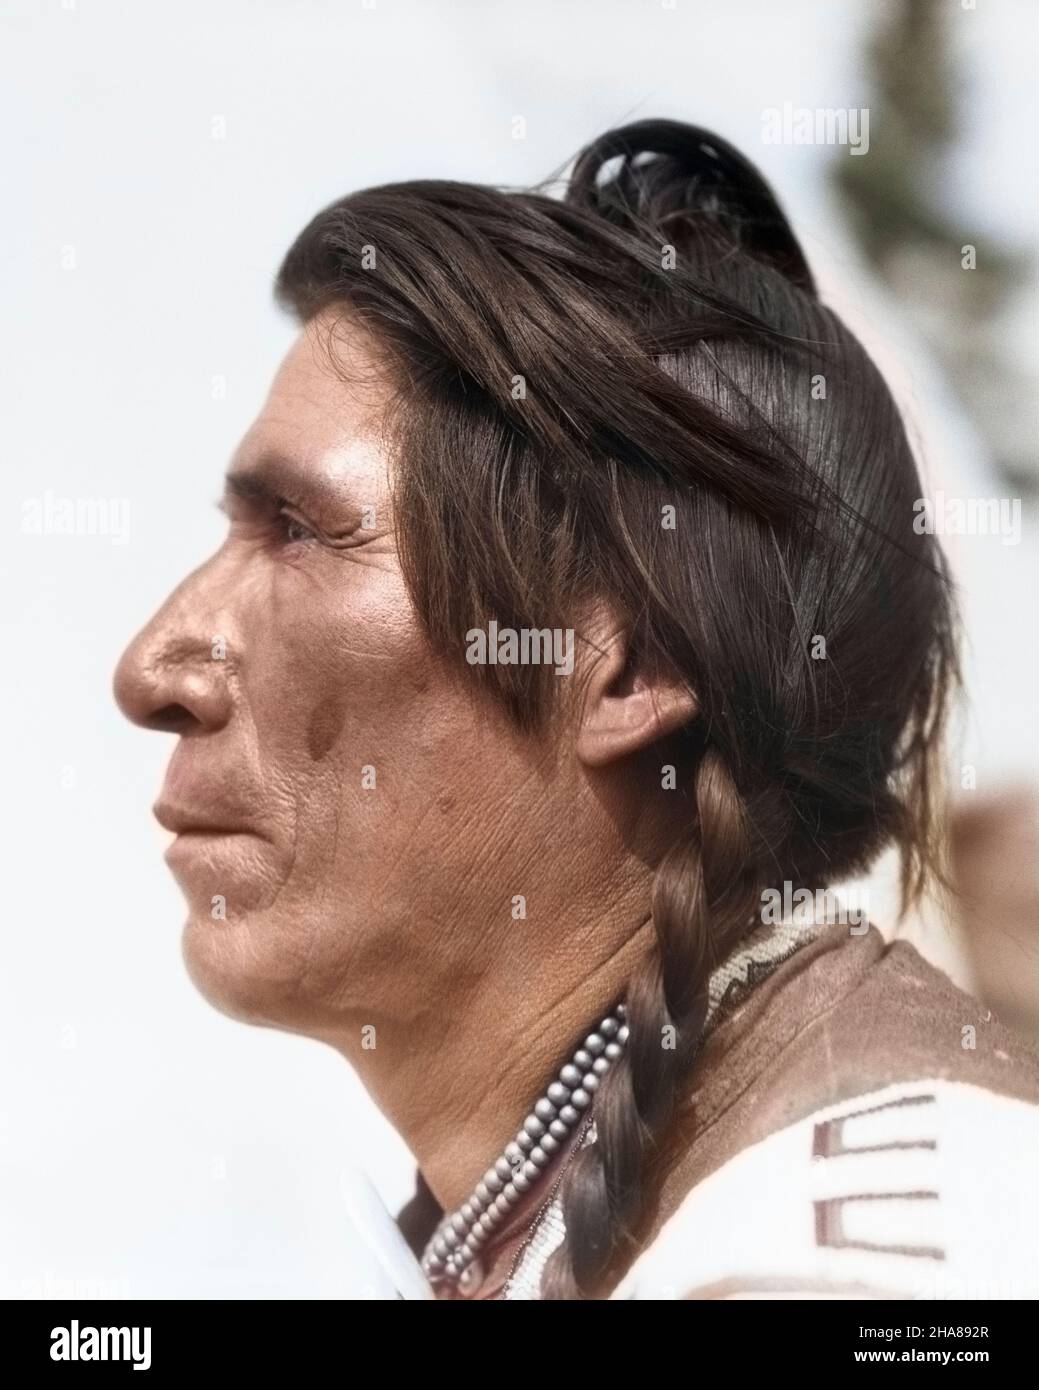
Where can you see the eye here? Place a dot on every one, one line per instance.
(293, 529)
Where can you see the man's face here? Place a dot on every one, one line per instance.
(333, 785)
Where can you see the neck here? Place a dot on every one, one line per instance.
(456, 1078)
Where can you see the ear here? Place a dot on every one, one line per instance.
(624, 709)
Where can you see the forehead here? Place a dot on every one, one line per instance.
(324, 413)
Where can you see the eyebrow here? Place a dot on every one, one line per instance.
(270, 478)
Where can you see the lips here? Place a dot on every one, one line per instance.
(182, 820)
(220, 843)
(198, 799)
(211, 850)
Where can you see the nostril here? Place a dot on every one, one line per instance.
(163, 685)
(171, 719)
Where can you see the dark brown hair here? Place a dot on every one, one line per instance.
(570, 368)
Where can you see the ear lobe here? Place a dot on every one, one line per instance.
(626, 709)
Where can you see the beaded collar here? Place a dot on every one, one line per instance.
(562, 1118)
(761, 952)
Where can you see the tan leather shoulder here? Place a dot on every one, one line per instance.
(844, 1016)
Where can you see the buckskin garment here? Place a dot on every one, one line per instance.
(855, 1126)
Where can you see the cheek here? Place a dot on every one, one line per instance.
(336, 676)
(324, 725)
(374, 757)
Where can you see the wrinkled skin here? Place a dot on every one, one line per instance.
(348, 906)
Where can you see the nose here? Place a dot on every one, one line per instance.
(173, 676)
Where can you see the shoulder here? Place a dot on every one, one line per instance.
(859, 1126)
(905, 1019)
(840, 1018)
(921, 1189)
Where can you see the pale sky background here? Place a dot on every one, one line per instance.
(148, 1145)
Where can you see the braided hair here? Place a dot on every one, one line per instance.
(674, 359)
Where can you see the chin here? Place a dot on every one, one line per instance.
(238, 967)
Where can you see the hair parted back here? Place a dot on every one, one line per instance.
(671, 346)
